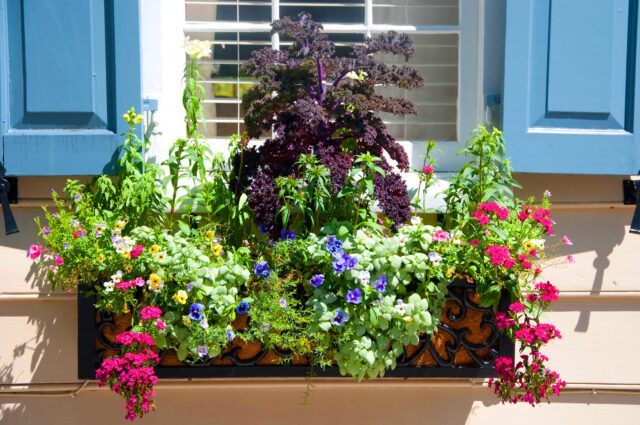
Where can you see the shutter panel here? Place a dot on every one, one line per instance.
(69, 69)
(570, 94)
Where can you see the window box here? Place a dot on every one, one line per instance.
(465, 346)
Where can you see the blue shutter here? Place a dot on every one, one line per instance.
(69, 69)
(570, 95)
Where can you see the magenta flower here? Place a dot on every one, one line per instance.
(34, 251)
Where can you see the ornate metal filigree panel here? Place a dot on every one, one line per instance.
(465, 345)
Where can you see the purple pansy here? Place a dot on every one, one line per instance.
(203, 351)
(261, 268)
(317, 280)
(195, 312)
(354, 296)
(380, 284)
(340, 318)
(287, 235)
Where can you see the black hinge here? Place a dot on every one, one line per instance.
(8, 193)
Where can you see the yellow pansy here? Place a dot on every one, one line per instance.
(180, 297)
(120, 224)
(161, 256)
(451, 271)
(101, 258)
(209, 235)
(155, 282)
(407, 319)
(527, 245)
(154, 249)
(127, 268)
(186, 321)
(217, 249)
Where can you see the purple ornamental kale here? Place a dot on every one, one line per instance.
(333, 121)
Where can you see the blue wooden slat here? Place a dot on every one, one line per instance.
(73, 70)
(571, 102)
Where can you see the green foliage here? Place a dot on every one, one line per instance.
(486, 177)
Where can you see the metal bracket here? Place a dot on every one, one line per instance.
(631, 194)
(6, 195)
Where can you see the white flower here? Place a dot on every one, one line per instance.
(547, 193)
(402, 239)
(197, 49)
(117, 278)
(108, 286)
(204, 324)
(415, 220)
(428, 237)
(364, 277)
(401, 307)
(352, 75)
(435, 258)
(274, 94)
(538, 244)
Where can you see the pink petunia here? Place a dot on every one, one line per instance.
(571, 259)
(135, 252)
(58, 260)
(566, 240)
(440, 235)
(34, 251)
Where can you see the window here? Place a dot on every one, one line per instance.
(437, 28)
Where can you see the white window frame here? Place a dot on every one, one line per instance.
(470, 102)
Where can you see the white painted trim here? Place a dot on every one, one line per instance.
(221, 26)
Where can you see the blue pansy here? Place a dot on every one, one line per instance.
(287, 235)
(261, 268)
(334, 245)
(340, 318)
(195, 312)
(264, 230)
(243, 307)
(317, 280)
(354, 296)
(380, 284)
(344, 262)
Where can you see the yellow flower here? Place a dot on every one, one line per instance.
(186, 321)
(138, 119)
(209, 235)
(180, 297)
(127, 268)
(161, 256)
(528, 245)
(155, 282)
(101, 258)
(120, 224)
(126, 255)
(407, 319)
(154, 249)
(451, 271)
(217, 249)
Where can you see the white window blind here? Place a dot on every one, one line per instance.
(239, 27)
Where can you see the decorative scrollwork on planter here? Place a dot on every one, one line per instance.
(465, 345)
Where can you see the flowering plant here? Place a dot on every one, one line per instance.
(289, 234)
